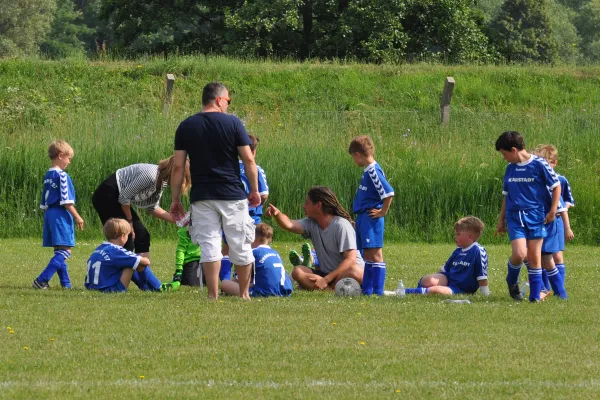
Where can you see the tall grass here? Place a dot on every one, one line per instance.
(305, 116)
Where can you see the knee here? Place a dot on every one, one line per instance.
(297, 272)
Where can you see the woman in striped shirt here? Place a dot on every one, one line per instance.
(141, 185)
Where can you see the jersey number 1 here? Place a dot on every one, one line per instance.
(96, 267)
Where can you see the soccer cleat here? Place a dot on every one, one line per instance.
(295, 258)
(515, 292)
(40, 285)
(306, 255)
(170, 287)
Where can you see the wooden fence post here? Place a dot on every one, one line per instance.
(169, 81)
(446, 99)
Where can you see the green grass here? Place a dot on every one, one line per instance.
(305, 116)
(307, 346)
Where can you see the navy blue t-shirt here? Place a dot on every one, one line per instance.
(211, 141)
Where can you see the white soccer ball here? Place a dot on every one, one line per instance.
(348, 287)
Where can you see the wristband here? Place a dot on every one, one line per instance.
(485, 290)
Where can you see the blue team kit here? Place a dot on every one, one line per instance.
(465, 268)
(270, 278)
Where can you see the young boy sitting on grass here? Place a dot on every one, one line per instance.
(111, 267)
(270, 278)
(466, 269)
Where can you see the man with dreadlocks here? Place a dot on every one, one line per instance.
(330, 229)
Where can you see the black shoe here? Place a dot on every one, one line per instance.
(515, 292)
(40, 285)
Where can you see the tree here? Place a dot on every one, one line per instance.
(24, 24)
(523, 33)
(67, 28)
(588, 25)
(564, 32)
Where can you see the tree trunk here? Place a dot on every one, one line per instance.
(307, 25)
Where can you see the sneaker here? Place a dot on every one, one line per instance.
(170, 287)
(515, 292)
(306, 255)
(40, 285)
(295, 258)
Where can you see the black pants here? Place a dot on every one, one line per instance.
(106, 203)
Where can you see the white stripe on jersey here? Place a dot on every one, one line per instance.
(372, 171)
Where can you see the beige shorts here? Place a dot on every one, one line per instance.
(210, 218)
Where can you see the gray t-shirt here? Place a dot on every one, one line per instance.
(331, 243)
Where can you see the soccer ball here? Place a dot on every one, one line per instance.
(347, 287)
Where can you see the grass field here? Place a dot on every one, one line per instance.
(313, 345)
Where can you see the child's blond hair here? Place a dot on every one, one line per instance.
(263, 232)
(546, 151)
(363, 145)
(59, 147)
(470, 224)
(114, 228)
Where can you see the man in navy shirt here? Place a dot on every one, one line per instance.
(214, 140)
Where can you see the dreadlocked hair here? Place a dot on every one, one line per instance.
(329, 202)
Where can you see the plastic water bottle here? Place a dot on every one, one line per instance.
(184, 221)
(524, 288)
(458, 301)
(400, 291)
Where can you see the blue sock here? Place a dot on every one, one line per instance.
(139, 280)
(545, 281)
(419, 290)
(151, 279)
(63, 272)
(367, 283)
(379, 272)
(562, 271)
(54, 265)
(225, 272)
(558, 286)
(512, 278)
(535, 284)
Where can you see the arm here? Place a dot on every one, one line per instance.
(501, 227)
(555, 199)
(375, 213)
(484, 289)
(569, 235)
(251, 173)
(284, 221)
(127, 211)
(144, 262)
(78, 220)
(347, 263)
(162, 214)
(176, 181)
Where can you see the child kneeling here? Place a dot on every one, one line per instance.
(270, 278)
(466, 269)
(111, 267)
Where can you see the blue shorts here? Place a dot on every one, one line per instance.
(369, 232)
(561, 233)
(116, 288)
(527, 224)
(456, 290)
(59, 229)
(551, 242)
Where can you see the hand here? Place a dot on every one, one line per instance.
(177, 276)
(272, 211)
(177, 210)
(79, 222)
(320, 283)
(376, 213)
(549, 217)
(500, 229)
(254, 199)
(569, 235)
(132, 231)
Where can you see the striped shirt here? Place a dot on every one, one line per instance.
(137, 186)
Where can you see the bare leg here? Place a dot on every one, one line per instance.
(211, 274)
(126, 276)
(231, 288)
(429, 281)
(243, 273)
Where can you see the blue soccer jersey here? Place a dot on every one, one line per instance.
(566, 193)
(373, 188)
(263, 188)
(270, 278)
(466, 267)
(526, 184)
(106, 264)
(58, 189)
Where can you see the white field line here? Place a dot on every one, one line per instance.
(529, 384)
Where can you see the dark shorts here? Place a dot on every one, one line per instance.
(318, 272)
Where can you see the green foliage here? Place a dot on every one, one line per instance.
(445, 30)
(588, 24)
(564, 32)
(24, 24)
(63, 39)
(523, 32)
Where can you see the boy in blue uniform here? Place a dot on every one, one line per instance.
(270, 278)
(255, 212)
(111, 267)
(466, 269)
(526, 209)
(371, 203)
(60, 215)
